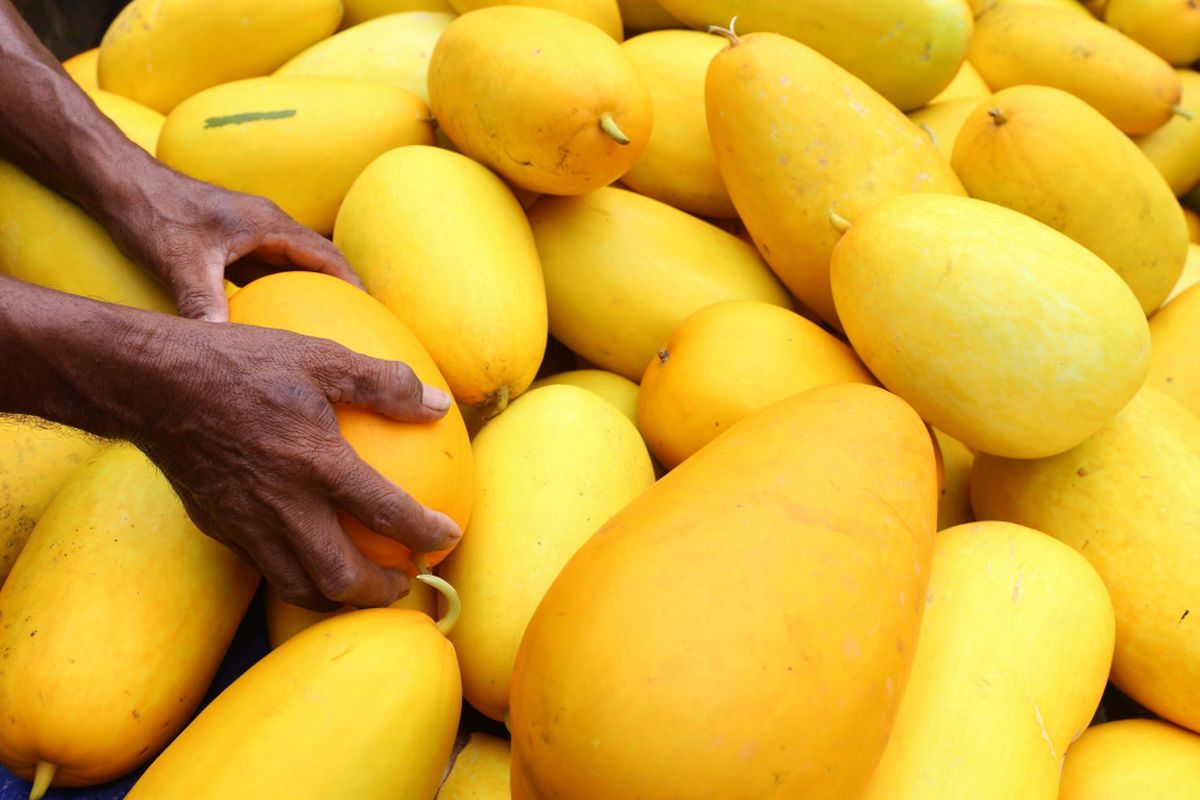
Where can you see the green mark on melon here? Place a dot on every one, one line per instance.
(249, 116)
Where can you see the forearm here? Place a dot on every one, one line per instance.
(51, 129)
(91, 365)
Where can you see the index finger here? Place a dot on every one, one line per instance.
(288, 243)
(340, 572)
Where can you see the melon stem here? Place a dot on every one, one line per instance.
(839, 223)
(42, 776)
(932, 136)
(612, 130)
(997, 116)
(453, 602)
(496, 403)
(729, 33)
(1180, 111)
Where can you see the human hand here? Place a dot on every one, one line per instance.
(189, 234)
(249, 440)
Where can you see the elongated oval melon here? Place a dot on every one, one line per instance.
(1132, 87)
(678, 166)
(906, 50)
(1128, 498)
(298, 141)
(1175, 147)
(1132, 758)
(725, 362)
(364, 705)
(36, 459)
(39, 226)
(1168, 28)
(543, 98)
(604, 14)
(818, 512)
(1051, 156)
(394, 49)
(1014, 653)
(786, 168)
(432, 461)
(549, 471)
(112, 624)
(160, 54)
(1000, 331)
(457, 264)
(622, 270)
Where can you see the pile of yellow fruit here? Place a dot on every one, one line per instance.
(881, 269)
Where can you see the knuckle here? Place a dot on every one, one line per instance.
(405, 381)
(387, 515)
(297, 593)
(340, 581)
(424, 532)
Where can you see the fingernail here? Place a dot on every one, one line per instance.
(434, 398)
(449, 527)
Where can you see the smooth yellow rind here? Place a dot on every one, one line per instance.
(787, 168)
(160, 54)
(1014, 653)
(1132, 758)
(678, 166)
(112, 622)
(906, 50)
(622, 270)
(1033, 44)
(549, 471)
(480, 770)
(1059, 161)
(36, 459)
(300, 141)
(375, 683)
(48, 240)
(1127, 499)
(391, 49)
(1174, 368)
(442, 242)
(1021, 350)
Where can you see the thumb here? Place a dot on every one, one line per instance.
(203, 296)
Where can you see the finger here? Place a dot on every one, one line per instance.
(249, 269)
(385, 508)
(388, 387)
(286, 242)
(286, 574)
(339, 570)
(208, 524)
(203, 297)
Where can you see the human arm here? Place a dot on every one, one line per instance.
(240, 420)
(184, 231)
